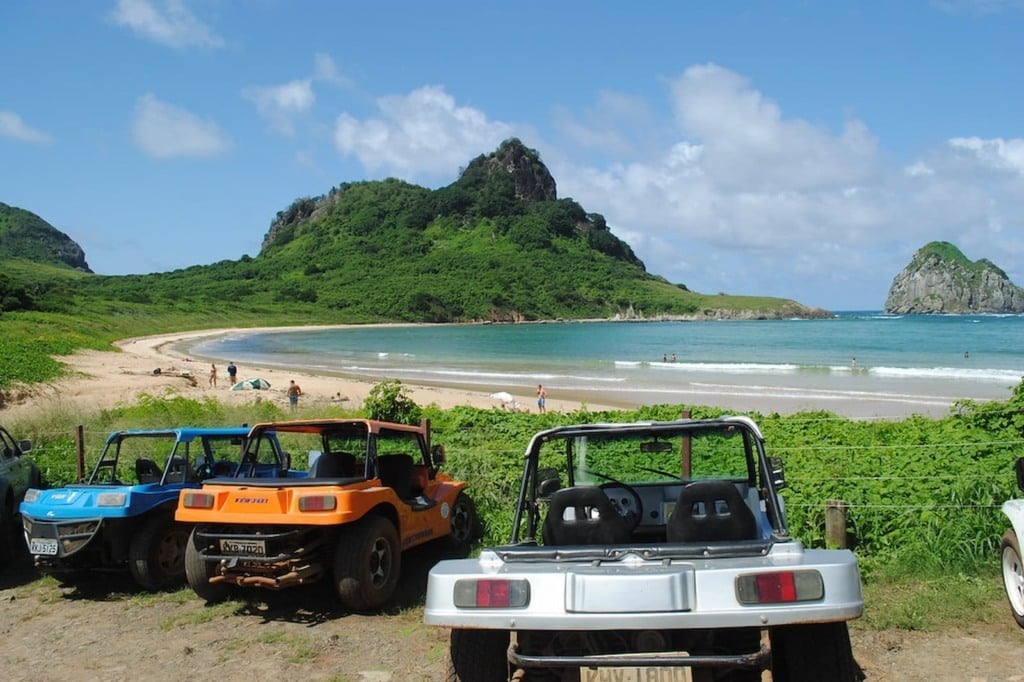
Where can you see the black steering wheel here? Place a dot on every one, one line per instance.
(631, 513)
(204, 469)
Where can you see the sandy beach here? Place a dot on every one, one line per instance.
(99, 380)
(158, 366)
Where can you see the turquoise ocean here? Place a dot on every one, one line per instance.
(888, 365)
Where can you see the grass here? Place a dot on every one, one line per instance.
(925, 604)
(202, 614)
(293, 648)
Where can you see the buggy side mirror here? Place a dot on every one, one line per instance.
(437, 455)
(777, 472)
(286, 462)
(1019, 467)
(24, 446)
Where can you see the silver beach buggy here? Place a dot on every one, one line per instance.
(1009, 550)
(649, 551)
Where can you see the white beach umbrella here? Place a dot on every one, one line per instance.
(503, 396)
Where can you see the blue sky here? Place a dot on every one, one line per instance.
(802, 149)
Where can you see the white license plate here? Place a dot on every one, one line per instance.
(244, 547)
(635, 675)
(42, 546)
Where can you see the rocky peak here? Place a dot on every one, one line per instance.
(533, 181)
(940, 279)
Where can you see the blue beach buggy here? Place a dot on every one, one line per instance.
(109, 523)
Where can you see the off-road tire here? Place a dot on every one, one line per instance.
(197, 572)
(478, 656)
(810, 653)
(7, 527)
(1013, 574)
(465, 524)
(156, 553)
(367, 562)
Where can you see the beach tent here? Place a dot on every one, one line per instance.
(508, 401)
(251, 383)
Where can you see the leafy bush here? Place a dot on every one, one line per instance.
(389, 401)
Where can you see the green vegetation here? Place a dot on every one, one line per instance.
(923, 494)
(493, 245)
(26, 235)
(951, 254)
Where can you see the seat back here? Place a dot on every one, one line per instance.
(395, 471)
(334, 465)
(711, 511)
(178, 471)
(147, 471)
(592, 520)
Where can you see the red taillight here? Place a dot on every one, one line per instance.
(776, 587)
(779, 587)
(198, 501)
(318, 503)
(491, 593)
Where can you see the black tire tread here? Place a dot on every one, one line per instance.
(197, 573)
(813, 652)
(142, 560)
(351, 564)
(478, 656)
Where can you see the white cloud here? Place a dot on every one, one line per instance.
(999, 154)
(423, 132)
(279, 103)
(12, 126)
(164, 131)
(748, 200)
(738, 196)
(615, 125)
(169, 23)
(324, 69)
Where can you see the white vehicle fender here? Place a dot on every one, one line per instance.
(1014, 509)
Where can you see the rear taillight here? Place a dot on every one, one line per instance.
(491, 593)
(318, 503)
(197, 501)
(779, 587)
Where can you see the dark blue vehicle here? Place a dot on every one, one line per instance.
(123, 515)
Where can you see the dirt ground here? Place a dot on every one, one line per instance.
(106, 629)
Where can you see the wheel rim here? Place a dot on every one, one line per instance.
(170, 553)
(461, 522)
(1013, 579)
(380, 562)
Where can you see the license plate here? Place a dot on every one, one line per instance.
(244, 547)
(635, 675)
(42, 546)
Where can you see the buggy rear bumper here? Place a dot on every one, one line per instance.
(757, 659)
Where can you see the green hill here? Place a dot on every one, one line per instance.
(495, 245)
(26, 235)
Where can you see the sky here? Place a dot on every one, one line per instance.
(795, 148)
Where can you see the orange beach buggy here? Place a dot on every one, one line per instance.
(372, 490)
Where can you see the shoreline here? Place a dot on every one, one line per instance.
(97, 380)
(103, 379)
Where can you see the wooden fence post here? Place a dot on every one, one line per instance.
(835, 524)
(686, 453)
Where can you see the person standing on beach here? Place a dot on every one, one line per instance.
(542, 398)
(293, 394)
(232, 371)
(213, 375)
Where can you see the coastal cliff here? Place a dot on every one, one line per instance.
(940, 279)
